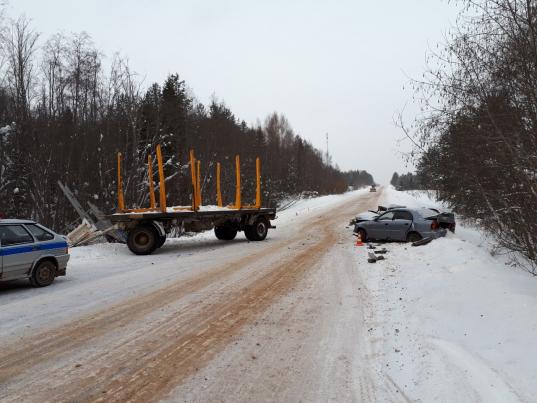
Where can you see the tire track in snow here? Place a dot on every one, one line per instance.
(485, 381)
(47, 345)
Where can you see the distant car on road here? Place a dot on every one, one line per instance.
(401, 224)
(29, 250)
(373, 188)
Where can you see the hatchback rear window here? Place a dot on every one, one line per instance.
(39, 233)
(14, 235)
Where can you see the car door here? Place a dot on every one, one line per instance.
(44, 239)
(379, 229)
(18, 251)
(402, 221)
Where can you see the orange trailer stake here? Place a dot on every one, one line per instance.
(162, 180)
(218, 191)
(152, 202)
(238, 182)
(199, 183)
(194, 185)
(258, 183)
(195, 170)
(120, 198)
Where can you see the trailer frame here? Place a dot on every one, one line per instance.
(147, 228)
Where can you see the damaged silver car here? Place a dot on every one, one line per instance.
(398, 223)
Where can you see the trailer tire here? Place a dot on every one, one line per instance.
(161, 240)
(258, 231)
(143, 239)
(225, 232)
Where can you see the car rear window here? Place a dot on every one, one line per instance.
(39, 233)
(14, 235)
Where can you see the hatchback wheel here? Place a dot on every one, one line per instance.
(413, 237)
(362, 233)
(44, 274)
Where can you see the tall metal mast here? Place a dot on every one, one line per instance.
(327, 148)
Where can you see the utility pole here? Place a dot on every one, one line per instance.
(327, 149)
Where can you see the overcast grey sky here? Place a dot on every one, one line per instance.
(334, 67)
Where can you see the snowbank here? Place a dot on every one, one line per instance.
(456, 323)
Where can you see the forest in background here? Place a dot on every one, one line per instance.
(357, 179)
(477, 136)
(62, 117)
(408, 181)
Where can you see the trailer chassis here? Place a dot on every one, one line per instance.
(147, 228)
(147, 232)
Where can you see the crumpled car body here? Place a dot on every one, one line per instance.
(402, 224)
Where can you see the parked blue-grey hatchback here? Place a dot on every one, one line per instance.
(30, 251)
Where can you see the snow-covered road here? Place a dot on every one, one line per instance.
(124, 327)
(299, 317)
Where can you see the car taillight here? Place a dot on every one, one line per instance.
(434, 224)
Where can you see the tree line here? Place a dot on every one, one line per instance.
(357, 179)
(478, 134)
(408, 181)
(63, 117)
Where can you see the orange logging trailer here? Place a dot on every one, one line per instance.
(147, 228)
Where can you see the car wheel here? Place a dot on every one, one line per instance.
(225, 232)
(258, 231)
(363, 234)
(413, 237)
(143, 240)
(43, 274)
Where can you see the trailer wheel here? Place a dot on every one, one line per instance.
(225, 232)
(161, 240)
(143, 240)
(258, 231)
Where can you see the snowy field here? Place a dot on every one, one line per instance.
(456, 323)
